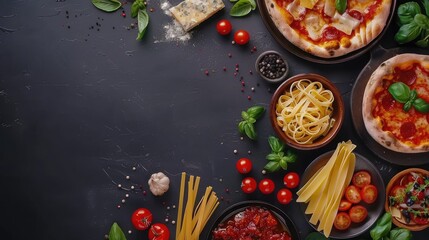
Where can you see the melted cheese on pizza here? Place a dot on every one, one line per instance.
(412, 127)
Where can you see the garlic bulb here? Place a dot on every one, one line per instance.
(158, 183)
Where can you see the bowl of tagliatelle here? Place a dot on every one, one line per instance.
(307, 111)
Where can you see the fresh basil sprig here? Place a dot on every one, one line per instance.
(249, 117)
(414, 24)
(116, 233)
(403, 94)
(278, 159)
(341, 6)
(242, 7)
(107, 5)
(138, 9)
(383, 230)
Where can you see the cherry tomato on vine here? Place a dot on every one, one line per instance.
(248, 185)
(284, 196)
(241, 37)
(291, 180)
(223, 27)
(266, 186)
(141, 219)
(159, 231)
(243, 165)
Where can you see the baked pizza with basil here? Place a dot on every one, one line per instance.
(329, 28)
(395, 104)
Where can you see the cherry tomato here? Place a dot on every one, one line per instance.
(358, 213)
(241, 37)
(344, 205)
(419, 219)
(284, 196)
(141, 219)
(243, 165)
(248, 185)
(398, 192)
(369, 194)
(361, 179)
(223, 27)
(266, 186)
(159, 231)
(342, 221)
(291, 180)
(352, 194)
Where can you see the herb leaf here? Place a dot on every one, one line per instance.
(272, 166)
(277, 158)
(400, 92)
(426, 6)
(241, 8)
(400, 234)
(253, 4)
(421, 105)
(116, 233)
(407, 33)
(341, 5)
(407, 11)
(135, 8)
(107, 5)
(275, 144)
(255, 112)
(382, 227)
(143, 22)
(249, 129)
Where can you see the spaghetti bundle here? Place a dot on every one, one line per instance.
(192, 219)
(304, 111)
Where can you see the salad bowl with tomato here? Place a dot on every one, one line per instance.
(407, 199)
(362, 201)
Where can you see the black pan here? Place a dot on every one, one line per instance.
(307, 56)
(379, 55)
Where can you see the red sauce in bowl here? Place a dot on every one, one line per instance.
(251, 223)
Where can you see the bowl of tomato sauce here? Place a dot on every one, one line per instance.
(253, 220)
(407, 199)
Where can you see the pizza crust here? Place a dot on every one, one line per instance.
(364, 34)
(373, 125)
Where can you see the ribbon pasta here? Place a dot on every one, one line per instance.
(304, 111)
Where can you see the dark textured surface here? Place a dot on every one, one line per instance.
(81, 106)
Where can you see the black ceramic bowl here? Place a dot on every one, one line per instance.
(374, 210)
(283, 219)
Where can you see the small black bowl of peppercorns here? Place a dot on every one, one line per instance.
(272, 67)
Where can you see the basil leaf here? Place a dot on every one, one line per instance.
(275, 144)
(413, 95)
(251, 120)
(241, 8)
(135, 8)
(422, 21)
(250, 131)
(407, 106)
(316, 236)
(107, 5)
(341, 5)
(400, 92)
(273, 157)
(241, 126)
(291, 156)
(407, 33)
(283, 163)
(143, 22)
(244, 115)
(116, 233)
(253, 4)
(424, 42)
(400, 234)
(272, 166)
(426, 6)
(421, 105)
(407, 11)
(256, 111)
(382, 227)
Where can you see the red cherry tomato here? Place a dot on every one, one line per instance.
(420, 220)
(266, 186)
(141, 219)
(361, 179)
(159, 231)
(291, 180)
(248, 185)
(369, 194)
(398, 192)
(342, 221)
(241, 37)
(243, 165)
(344, 205)
(352, 194)
(223, 27)
(284, 196)
(358, 213)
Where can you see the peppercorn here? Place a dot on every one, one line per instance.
(272, 66)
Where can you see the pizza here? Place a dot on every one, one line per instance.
(317, 27)
(387, 118)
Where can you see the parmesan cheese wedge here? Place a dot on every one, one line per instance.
(191, 13)
(323, 191)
